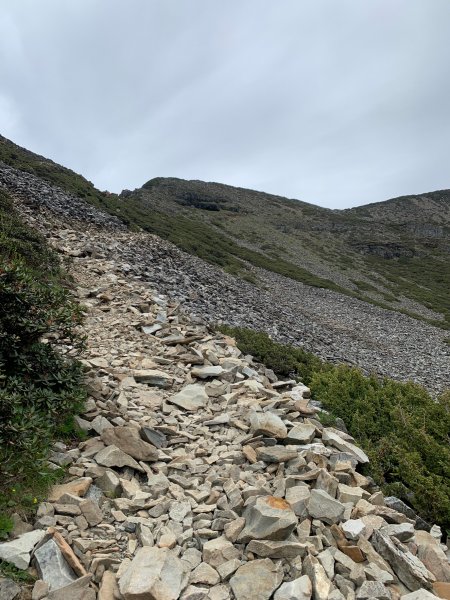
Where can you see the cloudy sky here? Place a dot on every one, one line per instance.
(335, 102)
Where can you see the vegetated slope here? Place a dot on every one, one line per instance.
(394, 253)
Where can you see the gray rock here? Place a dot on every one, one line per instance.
(190, 398)
(298, 497)
(154, 574)
(419, 595)
(207, 371)
(298, 589)
(91, 512)
(112, 456)
(77, 590)
(219, 551)
(335, 440)
(129, 441)
(269, 424)
(109, 484)
(151, 436)
(18, 551)
(373, 589)
(257, 579)
(52, 566)
(353, 528)
(408, 568)
(303, 433)
(276, 454)
(322, 506)
(403, 531)
(9, 590)
(153, 377)
(274, 549)
(270, 518)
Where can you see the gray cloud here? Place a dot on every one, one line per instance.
(335, 103)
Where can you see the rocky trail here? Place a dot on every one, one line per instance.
(202, 476)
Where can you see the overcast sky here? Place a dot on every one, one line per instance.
(335, 102)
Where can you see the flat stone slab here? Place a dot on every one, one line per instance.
(303, 433)
(275, 454)
(153, 377)
(190, 398)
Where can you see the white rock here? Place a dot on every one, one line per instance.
(353, 528)
(299, 589)
(17, 552)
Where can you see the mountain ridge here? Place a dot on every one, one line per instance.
(380, 252)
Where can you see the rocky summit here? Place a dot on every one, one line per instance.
(202, 476)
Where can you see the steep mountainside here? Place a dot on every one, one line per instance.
(394, 253)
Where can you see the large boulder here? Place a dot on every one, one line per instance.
(270, 518)
(128, 439)
(154, 574)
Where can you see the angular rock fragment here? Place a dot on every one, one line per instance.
(321, 584)
(153, 377)
(53, 567)
(325, 508)
(269, 424)
(129, 441)
(298, 589)
(270, 518)
(257, 579)
(335, 440)
(18, 551)
(112, 456)
(190, 398)
(275, 454)
(274, 549)
(408, 568)
(154, 574)
(303, 433)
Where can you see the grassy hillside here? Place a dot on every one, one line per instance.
(395, 254)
